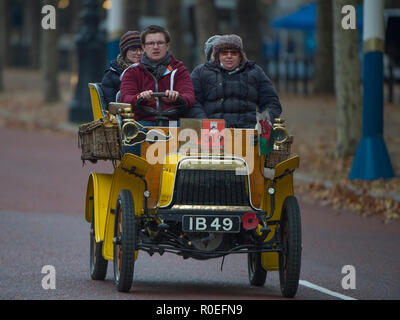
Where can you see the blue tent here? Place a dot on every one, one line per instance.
(305, 18)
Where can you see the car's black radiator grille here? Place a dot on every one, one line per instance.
(210, 187)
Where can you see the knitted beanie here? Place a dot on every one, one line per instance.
(209, 45)
(130, 39)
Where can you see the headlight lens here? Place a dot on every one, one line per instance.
(130, 130)
(280, 135)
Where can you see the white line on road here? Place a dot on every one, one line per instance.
(326, 291)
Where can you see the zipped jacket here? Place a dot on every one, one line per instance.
(137, 79)
(233, 96)
(111, 83)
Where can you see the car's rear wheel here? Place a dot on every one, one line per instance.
(257, 274)
(124, 241)
(290, 257)
(98, 265)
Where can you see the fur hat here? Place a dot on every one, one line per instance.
(130, 39)
(209, 46)
(231, 41)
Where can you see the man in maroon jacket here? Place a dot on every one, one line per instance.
(158, 71)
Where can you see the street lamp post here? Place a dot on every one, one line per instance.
(91, 47)
(372, 160)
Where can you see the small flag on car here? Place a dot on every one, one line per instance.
(265, 133)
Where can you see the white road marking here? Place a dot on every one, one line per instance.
(326, 291)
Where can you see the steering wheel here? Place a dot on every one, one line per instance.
(161, 115)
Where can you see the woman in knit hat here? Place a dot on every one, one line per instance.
(232, 88)
(130, 52)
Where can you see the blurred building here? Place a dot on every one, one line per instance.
(24, 27)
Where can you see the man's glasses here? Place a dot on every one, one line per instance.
(153, 43)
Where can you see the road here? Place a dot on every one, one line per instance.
(42, 191)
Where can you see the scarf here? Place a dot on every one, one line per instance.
(229, 71)
(123, 62)
(157, 69)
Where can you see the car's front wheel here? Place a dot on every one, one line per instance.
(290, 257)
(124, 241)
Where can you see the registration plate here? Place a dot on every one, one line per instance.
(211, 224)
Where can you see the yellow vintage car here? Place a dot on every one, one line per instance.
(184, 196)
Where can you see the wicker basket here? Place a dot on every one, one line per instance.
(99, 142)
(277, 156)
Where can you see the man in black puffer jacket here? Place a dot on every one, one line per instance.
(232, 88)
(130, 53)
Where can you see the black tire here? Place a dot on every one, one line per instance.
(257, 274)
(290, 259)
(124, 241)
(98, 265)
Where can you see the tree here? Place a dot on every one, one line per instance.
(3, 42)
(172, 10)
(324, 70)
(132, 14)
(347, 83)
(31, 30)
(249, 14)
(206, 22)
(49, 60)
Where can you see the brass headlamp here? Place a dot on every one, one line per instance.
(130, 128)
(280, 133)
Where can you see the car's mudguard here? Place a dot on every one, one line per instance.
(283, 177)
(129, 175)
(97, 194)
